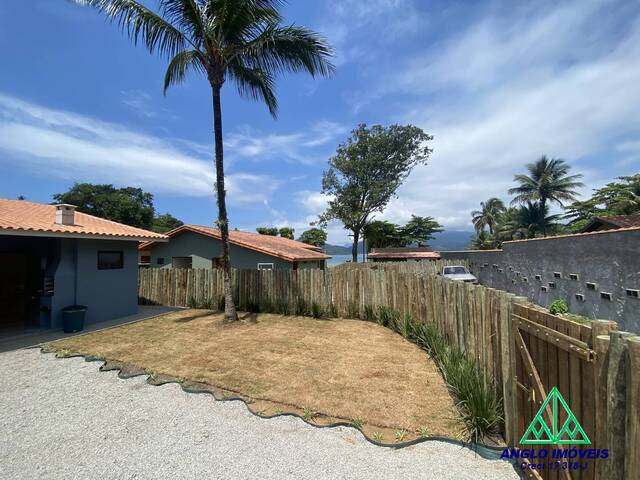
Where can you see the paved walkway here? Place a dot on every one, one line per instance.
(36, 336)
(62, 419)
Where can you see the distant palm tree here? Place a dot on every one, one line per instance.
(488, 215)
(483, 241)
(535, 218)
(548, 181)
(238, 40)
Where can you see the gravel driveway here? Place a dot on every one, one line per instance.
(61, 418)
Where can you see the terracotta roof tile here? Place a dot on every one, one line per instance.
(20, 216)
(280, 247)
(619, 221)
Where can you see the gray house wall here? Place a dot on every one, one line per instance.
(73, 265)
(107, 293)
(610, 260)
(202, 249)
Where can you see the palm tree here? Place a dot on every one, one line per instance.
(548, 181)
(483, 241)
(488, 215)
(535, 218)
(238, 40)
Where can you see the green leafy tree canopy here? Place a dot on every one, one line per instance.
(271, 231)
(367, 170)
(286, 232)
(164, 223)
(314, 236)
(128, 205)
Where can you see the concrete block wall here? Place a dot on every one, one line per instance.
(597, 274)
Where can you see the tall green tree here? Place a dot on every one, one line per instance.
(535, 219)
(367, 170)
(381, 234)
(242, 41)
(286, 232)
(419, 230)
(548, 181)
(489, 215)
(272, 231)
(615, 198)
(483, 240)
(131, 206)
(164, 223)
(314, 236)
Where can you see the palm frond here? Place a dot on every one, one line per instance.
(140, 22)
(255, 83)
(179, 66)
(188, 15)
(292, 48)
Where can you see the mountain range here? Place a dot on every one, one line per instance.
(447, 240)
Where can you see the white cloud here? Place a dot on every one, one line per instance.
(78, 147)
(299, 147)
(349, 20)
(559, 82)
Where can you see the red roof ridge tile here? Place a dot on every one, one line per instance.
(22, 216)
(280, 247)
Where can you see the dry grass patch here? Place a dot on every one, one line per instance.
(347, 370)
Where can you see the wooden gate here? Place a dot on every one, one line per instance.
(554, 352)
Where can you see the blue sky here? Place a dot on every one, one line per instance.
(497, 83)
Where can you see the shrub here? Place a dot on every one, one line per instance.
(369, 313)
(352, 310)
(192, 302)
(282, 307)
(558, 306)
(302, 310)
(332, 311)
(221, 303)
(316, 310)
(384, 316)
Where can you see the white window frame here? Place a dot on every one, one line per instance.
(265, 266)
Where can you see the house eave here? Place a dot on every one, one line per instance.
(39, 233)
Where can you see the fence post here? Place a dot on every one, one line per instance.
(616, 404)
(632, 446)
(601, 347)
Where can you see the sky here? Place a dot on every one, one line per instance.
(497, 83)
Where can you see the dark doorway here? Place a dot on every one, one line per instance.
(13, 291)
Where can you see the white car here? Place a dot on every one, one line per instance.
(459, 273)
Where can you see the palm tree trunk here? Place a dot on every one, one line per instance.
(354, 247)
(230, 314)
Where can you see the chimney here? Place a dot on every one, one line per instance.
(65, 214)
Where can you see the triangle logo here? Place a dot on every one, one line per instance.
(541, 433)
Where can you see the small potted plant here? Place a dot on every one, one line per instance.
(73, 318)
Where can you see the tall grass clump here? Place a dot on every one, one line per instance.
(480, 407)
(352, 310)
(316, 310)
(202, 304)
(302, 309)
(332, 311)
(369, 313)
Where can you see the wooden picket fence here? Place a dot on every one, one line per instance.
(522, 349)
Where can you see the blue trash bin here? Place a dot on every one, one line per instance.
(73, 318)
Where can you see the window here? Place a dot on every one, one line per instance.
(145, 258)
(181, 262)
(110, 260)
(160, 260)
(265, 266)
